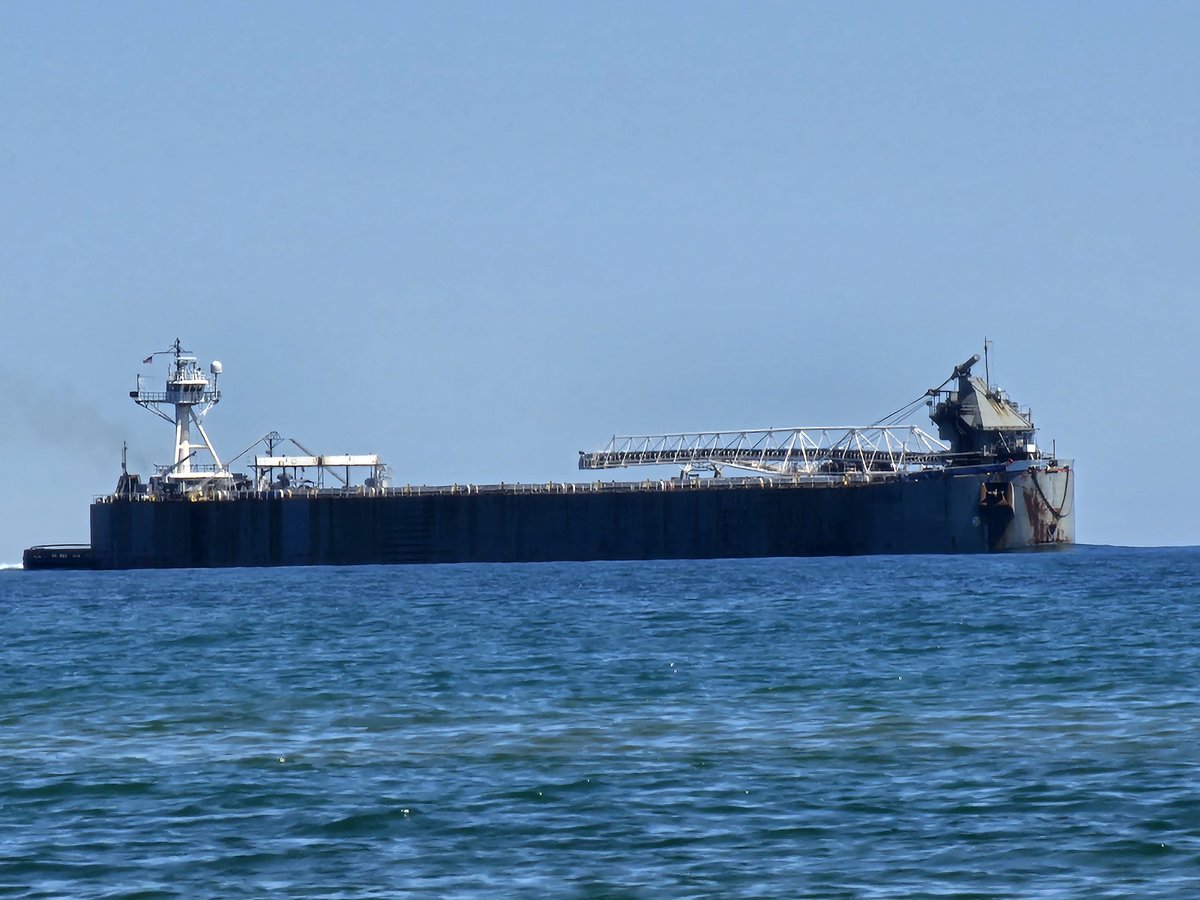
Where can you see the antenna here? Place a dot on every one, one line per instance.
(987, 375)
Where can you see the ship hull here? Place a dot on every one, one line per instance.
(980, 510)
(59, 556)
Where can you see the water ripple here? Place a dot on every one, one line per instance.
(1019, 725)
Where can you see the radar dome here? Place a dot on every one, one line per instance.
(215, 368)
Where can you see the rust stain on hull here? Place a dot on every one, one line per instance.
(1041, 517)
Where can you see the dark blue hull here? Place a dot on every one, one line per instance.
(59, 556)
(937, 513)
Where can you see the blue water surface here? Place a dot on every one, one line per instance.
(890, 726)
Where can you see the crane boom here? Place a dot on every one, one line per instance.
(779, 451)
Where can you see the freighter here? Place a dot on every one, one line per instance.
(982, 485)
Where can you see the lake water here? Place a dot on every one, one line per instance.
(889, 726)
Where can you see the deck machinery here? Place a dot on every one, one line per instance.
(1027, 500)
(981, 485)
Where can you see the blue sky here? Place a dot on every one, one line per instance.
(476, 238)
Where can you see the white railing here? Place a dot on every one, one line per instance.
(779, 451)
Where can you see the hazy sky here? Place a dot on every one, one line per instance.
(477, 238)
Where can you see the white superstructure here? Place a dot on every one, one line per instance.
(196, 470)
(188, 397)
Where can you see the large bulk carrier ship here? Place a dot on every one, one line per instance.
(982, 485)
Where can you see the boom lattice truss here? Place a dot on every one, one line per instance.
(834, 450)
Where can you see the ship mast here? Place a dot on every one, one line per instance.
(187, 399)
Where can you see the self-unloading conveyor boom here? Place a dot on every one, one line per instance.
(779, 451)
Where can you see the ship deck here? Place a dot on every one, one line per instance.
(566, 487)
